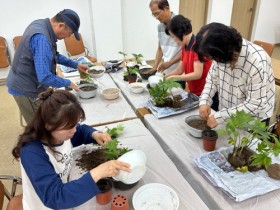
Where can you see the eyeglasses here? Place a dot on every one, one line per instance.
(156, 14)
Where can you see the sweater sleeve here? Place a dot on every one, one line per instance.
(83, 135)
(48, 185)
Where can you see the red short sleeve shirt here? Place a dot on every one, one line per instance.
(188, 59)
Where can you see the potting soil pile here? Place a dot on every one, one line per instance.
(191, 101)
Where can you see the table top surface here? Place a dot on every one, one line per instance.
(176, 142)
(160, 169)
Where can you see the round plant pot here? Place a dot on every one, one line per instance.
(119, 202)
(132, 78)
(122, 186)
(105, 186)
(209, 139)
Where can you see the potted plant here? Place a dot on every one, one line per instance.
(160, 94)
(110, 151)
(242, 129)
(124, 59)
(131, 74)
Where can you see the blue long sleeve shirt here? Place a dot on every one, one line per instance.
(46, 182)
(42, 53)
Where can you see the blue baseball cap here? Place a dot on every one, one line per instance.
(72, 20)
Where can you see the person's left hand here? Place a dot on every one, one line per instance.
(164, 66)
(211, 122)
(101, 138)
(82, 67)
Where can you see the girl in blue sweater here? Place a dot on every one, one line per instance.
(45, 153)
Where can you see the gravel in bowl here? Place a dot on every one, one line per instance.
(110, 93)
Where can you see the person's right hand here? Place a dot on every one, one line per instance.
(204, 111)
(74, 86)
(151, 71)
(109, 169)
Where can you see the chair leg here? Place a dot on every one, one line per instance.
(15, 203)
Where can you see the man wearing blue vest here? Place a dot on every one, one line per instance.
(34, 66)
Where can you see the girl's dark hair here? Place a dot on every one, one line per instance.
(218, 42)
(160, 3)
(59, 109)
(179, 26)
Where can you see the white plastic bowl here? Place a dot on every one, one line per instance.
(175, 91)
(87, 94)
(94, 69)
(110, 93)
(193, 131)
(137, 161)
(137, 87)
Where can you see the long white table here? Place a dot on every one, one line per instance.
(181, 147)
(160, 169)
(100, 110)
(135, 100)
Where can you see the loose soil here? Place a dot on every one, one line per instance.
(199, 124)
(88, 88)
(243, 160)
(104, 185)
(93, 71)
(91, 160)
(209, 133)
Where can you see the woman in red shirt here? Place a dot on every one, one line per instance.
(190, 68)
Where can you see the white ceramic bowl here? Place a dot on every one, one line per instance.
(96, 71)
(137, 161)
(110, 93)
(85, 93)
(137, 87)
(193, 131)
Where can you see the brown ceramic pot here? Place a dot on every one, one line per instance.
(119, 202)
(209, 139)
(105, 186)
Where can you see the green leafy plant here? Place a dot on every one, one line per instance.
(131, 71)
(137, 58)
(244, 123)
(113, 151)
(116, 131)
(159, 93)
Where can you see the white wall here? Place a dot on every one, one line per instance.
(109, 26)
(266, 26)
(220, 11)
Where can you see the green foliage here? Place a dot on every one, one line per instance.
(116, 131)
(132, 70)
(243, 123)
(89, 64)
(159, 93)
(137, 58)
(122, 53)
(112, 151)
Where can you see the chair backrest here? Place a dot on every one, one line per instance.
(4, 53)
(16, 41)
(73, 46)
(268, 47)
